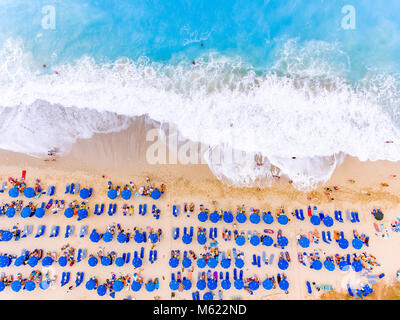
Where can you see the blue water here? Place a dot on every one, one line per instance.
(273, 78)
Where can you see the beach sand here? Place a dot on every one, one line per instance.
(120, 157)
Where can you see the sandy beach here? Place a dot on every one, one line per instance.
(104, 157)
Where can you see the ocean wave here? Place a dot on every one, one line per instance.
(304, 107)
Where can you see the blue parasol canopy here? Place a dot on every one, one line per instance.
(228, 217)
(283, 241)
(283, 264)
(357, 265)
(186, 263)
(317, 265)
(150, 286)
(47, 261)
(90, 284)
(19, 261)
(29, 192)
(212, 262)
(253, 285)
(156, 194)
(329, 265)
(137, 262)
(187, 284)
(238, 284)
(212, 284)
(136, 286)
(93, 261)
(105, 261)
(267, 284)
(283, 219)
(284, 285)
(255, 218)
(240, 240)
(173, 262)
(39, 213)
(30, 286)
(112, 194)
(225, 284)
(208, 296)
(315, 220)
(94, 236)
(304, 242)
(101, 290)
(343, 243)
(33, 261)
(255, 240)
(107, 237)
(45, 284)
(13, 192)
(268, 218)
(153, 237)
(139, 237)
(214, 217)
(122, 238)
(267, 241)
(119, 262)
(343, 265)
(118, 285)
(201, 263)
(225, 263)
(26, 212)
(84, 193)
(62, 261)
(357, 243)
(201, 285)
(82, 214)
(173, 285)
(202, 216)
(201, 239)
(6, 235)
(241, 217)
(126, 194)
(187, 239)
(328, 221)
(4, 261)
(69, 212)
(2, 286)
(239, 263)
(10, 212)
(16, 285)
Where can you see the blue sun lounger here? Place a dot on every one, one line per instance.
(3, 186)
(329, 236)
(55, 231)
(67, 188)
(175, 210)
(79, 278)
(309, 290)
(271, 258)
(65, 278)
(40, 231)
(69, 231)
(83, 231)
(96, 210)
(71, 189)
(324, 238)
(356, 216)
(353, 218)
(175, 233)
(76, 190)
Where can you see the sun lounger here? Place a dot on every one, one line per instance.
(348, 215)
(321, 216)
(69, 231)
(3, 186)
(271, 258)
(67, 188)
(49, 204)
(356, 216)
(324, 238)
(175, 210)
(76, 190)
(309, 290)
(301, 214)
(83, 231)
(329, 236)
(40, 231)
(71, 189)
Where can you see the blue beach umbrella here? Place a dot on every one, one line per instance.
(201, 239)
(283, 264)
(214, 217)
(6, 235)
(94, 236)
(2, 286)
(45, 284)
(84, 193)
(187, 239)
(30, 286)
(118, 285)
(4, 261)
(255, 240)
(107, 237)
(343, 243)
(137, 262)
(39, 213)
(317, 265)
(29, 192)
(267, 284)
(212, 263)
(173, 262)
(126, 194)
(212, 284)
(90, 284)
(267, 241)
(202, 216)
(225, 284)
(315, 220)
(16, 285)
(253, 285)
(93, 261)
(255, 218)
(112, 194)
(173, 285)
(13, 192)
(26, 212)
(153, 237)
(186, 263)
(357, 243)
(187, 284)
(284, 285)
(304, 242)
(201, 285)
(150, 286)
(10, 212)
(69, 212)
(283, 241)
(136, 286)
(228, 217)
(328, 221)
(238, 284)
(268, 218)
(105, 261)
(62, 261)
(47, 261)
(329, 265)
(283, 219)
(241, 217)
(82, 214)
(208, 296)
(156, 194)
(225, 263)
(343, 265)
(33, 261)
(139, 237)
(357, 265)
(240, 240)
(122, 238)
(19, 261)
(239, 263)
(201, 263)
(101, 290)
(119, 262)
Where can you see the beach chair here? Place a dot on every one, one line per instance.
(114, 208)
(3, 186)
(67, 188)
(96, 209)
(297, 214)
(264, 257)
(175, 210)
(83, 231)
(328, 233)
(348, 215)
(254, 262)
(353, 218)
(79, 278)
(309, 290)
(69, 231)
(110, 209)
(71, 190)
(271, 258)
(324, 238)
(40, 231)
(52, 191)
(76, 190)
(356, 216)
(301, 214)
(321, 216)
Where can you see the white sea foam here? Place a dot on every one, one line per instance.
(218, 101)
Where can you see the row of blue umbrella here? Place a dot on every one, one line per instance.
(127, 194)
(343, 243)
(241, 217)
